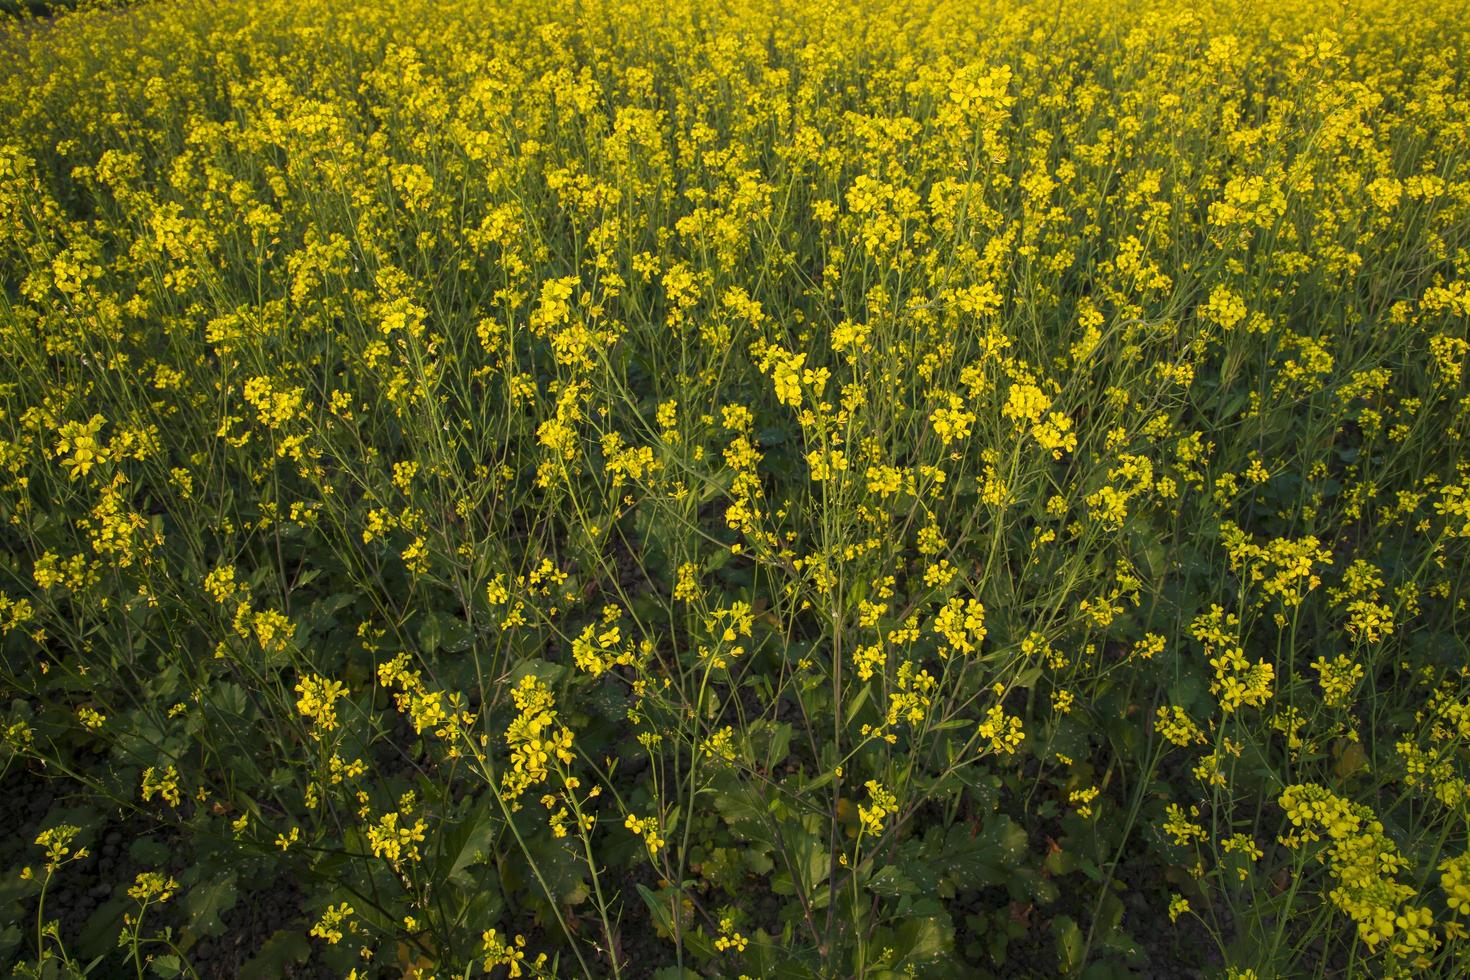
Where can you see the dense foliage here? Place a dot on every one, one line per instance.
(600, 488)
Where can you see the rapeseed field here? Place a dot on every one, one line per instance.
(758, 488)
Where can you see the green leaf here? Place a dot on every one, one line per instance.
(742, 812)
(1060, 862)
(285, 949)
(467, 845)
(926, 939)
(1070, 944)
(892, 882)
(658, 907)
(167, 966)
(457, 637)
(780, 744)
(147, 851)
(431, 632)
(544, 670)
(811, 858)
(1028, 677)
(9, 941)
(99, 936)
(206, 902)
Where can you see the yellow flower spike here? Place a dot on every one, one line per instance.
(152, 887)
